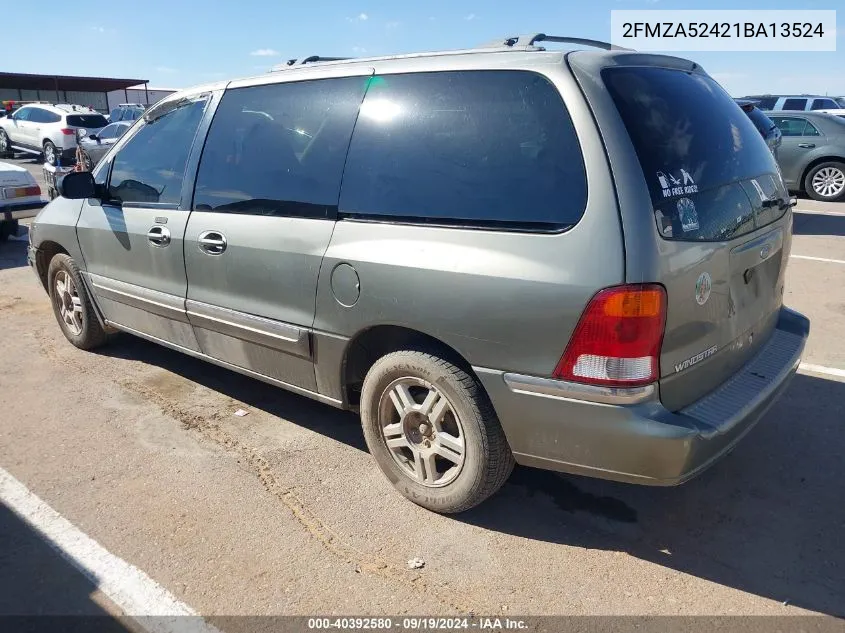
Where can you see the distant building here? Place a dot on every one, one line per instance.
(93, 92)
(137, 94)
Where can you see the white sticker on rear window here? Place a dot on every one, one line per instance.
(676, 185)
(759, 189)
(688, 215)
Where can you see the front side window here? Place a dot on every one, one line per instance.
(150, 168)
(279, 149)
(23, 114)
(794, 104)
(482, 149)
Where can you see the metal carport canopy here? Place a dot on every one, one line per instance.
(26, 81)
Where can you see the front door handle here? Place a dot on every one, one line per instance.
(212, 242)
(806, 145)
(159, 236)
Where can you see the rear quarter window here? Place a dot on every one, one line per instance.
(481, 149)
(697, 149)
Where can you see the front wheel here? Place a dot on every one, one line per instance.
(72, 306)
(433, 431)
(5, 145)
(50, 153)
(826, 182)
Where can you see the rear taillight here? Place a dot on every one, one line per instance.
(618, 338)
(34, 190)
(68, 131)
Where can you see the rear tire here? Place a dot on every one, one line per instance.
(826, 182)
(72, 305)
(444, 412)
(50, 153)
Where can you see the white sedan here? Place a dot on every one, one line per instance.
(20, 197)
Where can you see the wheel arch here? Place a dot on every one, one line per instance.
(371, 343)
(47, 250)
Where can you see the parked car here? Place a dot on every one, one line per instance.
(768, 130)
(126, 112)
(48, 130)
(460, 253)
(812, 153)
(95, 145)
(797, 102)
(20, 197)
(840, 112)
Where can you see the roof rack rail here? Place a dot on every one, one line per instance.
(312, 59)
(528, 41)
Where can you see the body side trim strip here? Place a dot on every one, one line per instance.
(241, 370)
(262, 331)
(161, 303)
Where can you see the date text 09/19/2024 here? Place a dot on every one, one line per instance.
(418, 624)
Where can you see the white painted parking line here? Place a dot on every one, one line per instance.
(821, 369)
(819, 259)
(135, 593)
(814, 212)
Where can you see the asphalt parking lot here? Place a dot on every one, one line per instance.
(283, 511)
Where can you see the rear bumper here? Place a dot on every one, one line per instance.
(628, 435)
(21, 211)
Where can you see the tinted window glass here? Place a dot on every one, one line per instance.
(279, 149)
(150, 168)
(791, 126)
(767, 103)
(108, 132)
(810, 130)
(37, 115)
(23, 114)
(824, 104)
(115, 115)
(87, 120)
(794, 104)
(695, 147)
(479, 148)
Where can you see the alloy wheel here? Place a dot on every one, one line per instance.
(829, 182)
(422, 431)
(70, 305)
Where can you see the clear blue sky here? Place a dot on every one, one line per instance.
(176, 44)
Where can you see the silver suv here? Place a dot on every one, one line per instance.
(570, 260)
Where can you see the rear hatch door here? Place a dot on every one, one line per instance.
(719, 226)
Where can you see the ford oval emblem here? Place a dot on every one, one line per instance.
(764, 252)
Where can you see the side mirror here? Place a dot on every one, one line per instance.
(93, 137)
(78, 185)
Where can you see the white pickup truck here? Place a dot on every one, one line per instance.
(20, 197)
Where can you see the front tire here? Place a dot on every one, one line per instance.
(72, 305)
(5, 145)
(433, 431)
(826, 182)
(50, 153)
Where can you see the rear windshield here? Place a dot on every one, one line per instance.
(698, 150)
(87, 120)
